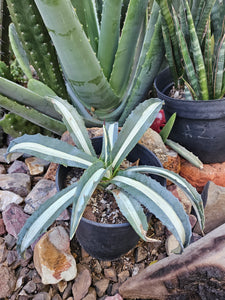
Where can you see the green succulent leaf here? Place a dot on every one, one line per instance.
(44, 216)
(189, 190)
(133, 212)
(159, 201)
(134, 127)
(165, 132)
(50, 149)
(86, 186)
(40, 88)
(75, 125)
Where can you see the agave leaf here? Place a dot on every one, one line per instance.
(189, 190)
(25, 96)
(50, 149)
(164, 133)
(109, 34)
(157, 200)
(133, 212)
(44, 216)
(105, 154)
(134, 127)
(75, 125)
(86, 186)
(19, 51)
(85, 75)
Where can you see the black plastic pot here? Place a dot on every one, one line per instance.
(199, 125)
(109, 241)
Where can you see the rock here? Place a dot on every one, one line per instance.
(122, 276)
(110, 274)
(67, 291)
(3, 250)
(51, 172)
(18, 167)
(62, 286)
(52, 257)
(81, 283)
(178, 193)
(153, 141)
(13, 157)
(57, 297)
(140, 254)
(193, 220)
(36, 165)
(12, 256)
(101, 286)
(42, 191)
(214, 197)
(198, 273)
(199, 177)
(91, 294)
(172, 162)
(2, 227)
(7, 198)
(42, 296)
(18, 183)
(7, 281)
(14, 218)
(10, 241)
(30, 287)
(171, 244)
(115, 297)
(105, 264)
(2, 169)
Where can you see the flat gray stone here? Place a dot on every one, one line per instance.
(18, 167)
(42, 191)
(17, 183)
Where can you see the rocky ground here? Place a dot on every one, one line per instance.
(26, 183)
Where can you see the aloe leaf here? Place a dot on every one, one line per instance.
(19, 51)
(50, 149)
(75, 125)
(189, 190)
(44, 216)
(25, 96)
(197, 55)
(87, 14)
(126, 50)
(158, 201)
(133, 212)
(109, 34)
(165, 132)
(79, 64)
(219, 70)
(149, 69)
(134, 127)
(33, 115)
(86, 186)
(40, 88)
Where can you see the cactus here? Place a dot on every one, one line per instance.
(16, 126)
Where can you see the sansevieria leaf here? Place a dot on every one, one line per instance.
(86, 186)
(159, 201)
(50, 149)
(44, 216)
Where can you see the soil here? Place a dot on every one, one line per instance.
(177, 93)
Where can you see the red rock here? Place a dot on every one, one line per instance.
(115, 297)
(51, 172)
(7, 282)
(199, 177)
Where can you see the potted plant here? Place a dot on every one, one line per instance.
(100, 56)
(131, 189)
(194, 39)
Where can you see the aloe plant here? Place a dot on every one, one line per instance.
(101, 56)
(195, 53)
(131, 188)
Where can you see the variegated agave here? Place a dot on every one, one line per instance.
(131, 189)
(194, 38)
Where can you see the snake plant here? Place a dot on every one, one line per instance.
(194, 37)
(131, 188)
(101, 56)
